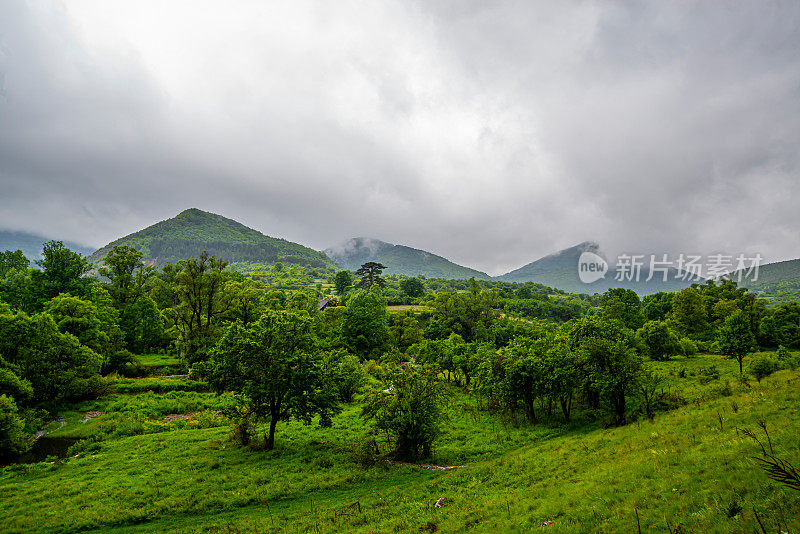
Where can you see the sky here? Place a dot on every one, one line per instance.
(489, 133)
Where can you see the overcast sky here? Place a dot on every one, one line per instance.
(489, 134)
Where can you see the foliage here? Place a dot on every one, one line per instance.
(370, 274)
(763, 366)
(344, 373)
(659, 341)
(13, 439)
(365, 329)
(342, 282)
(735, 337)
(413, 287)
(276, 369)
(410, 411)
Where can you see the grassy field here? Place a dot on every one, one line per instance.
(689, 470)
(408, 307)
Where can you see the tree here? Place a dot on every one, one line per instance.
(411, 410)
(370, 274)
(13, 439)
(15, 261)
(57, 366)
(276, 369)
(689, 314)
(412, 287)
(365, 329)
(658, 340)
(62, 272)
(342, 282)
(735, 338)
(127, 273)
(199, 284)
(623, 305)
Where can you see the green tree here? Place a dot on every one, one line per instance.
(412, 287)
(735, 338)
(56, 364)
(659, 341)
(623, 305)
(61, 271)
(411, 410)
(689, 314)
(365, 329)
(13, 439)
(370, 274)
(276, 369)
(342, 282)
(199, 286)
(127, 273)
(12, 261)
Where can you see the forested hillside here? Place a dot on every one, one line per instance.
(399, 259)
(193, 231)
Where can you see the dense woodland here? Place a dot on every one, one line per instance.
(399, 348)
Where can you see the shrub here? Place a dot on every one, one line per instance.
(13, 439)
(708, 374)
(762, 367)
(688, 347)
(411, 411)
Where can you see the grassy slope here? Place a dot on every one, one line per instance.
(193, 230)
(681, 467)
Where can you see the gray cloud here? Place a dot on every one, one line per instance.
(489, 134)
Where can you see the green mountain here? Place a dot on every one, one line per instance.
(192, 231)
(31, 244)
(560, 270)
(777, 282)
(398, 259)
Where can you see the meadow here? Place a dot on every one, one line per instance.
(141, 467)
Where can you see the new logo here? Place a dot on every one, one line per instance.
(591, 267)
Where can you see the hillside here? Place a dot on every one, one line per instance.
(31, 244)
(560, 270)
(399, 259)
(192, 231)
(777, 282)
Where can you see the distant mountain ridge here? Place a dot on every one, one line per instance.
(560, 270)
(399, 259)
(31, 244)
(192, 231)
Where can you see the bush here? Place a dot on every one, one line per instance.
(782, 353)
(708, 374)
(762, 367)
(688, 347)
(13, 439)
(345, 373)
(411, 410)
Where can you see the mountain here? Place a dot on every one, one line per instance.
(192, 231)
(31, 244)
(398, 259)
(777, 282)
(560, 270)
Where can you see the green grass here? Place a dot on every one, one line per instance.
(688, 466)
(408, 307)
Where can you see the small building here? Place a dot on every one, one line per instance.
(324, 303)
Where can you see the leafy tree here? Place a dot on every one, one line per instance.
(689, 314)
(14, 386)
(659, 341)
(247, 299)
(413, 287)
(405, 330)
(57, 365)
(762, 367)
(12, 261)
(657, 307)
(411, 410)
(342, 282)
(365, 328)
(276, 369)
(623, 305)
(144, 326)
(344, 373)
(199, 285)
(471, 315)
(611, 365)
(648, 384)
(127, 273)
(62, 271)
(13, 439)
(735, 338)
(79, 317)
(370, 274)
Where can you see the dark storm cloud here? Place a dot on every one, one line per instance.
(489, 133)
